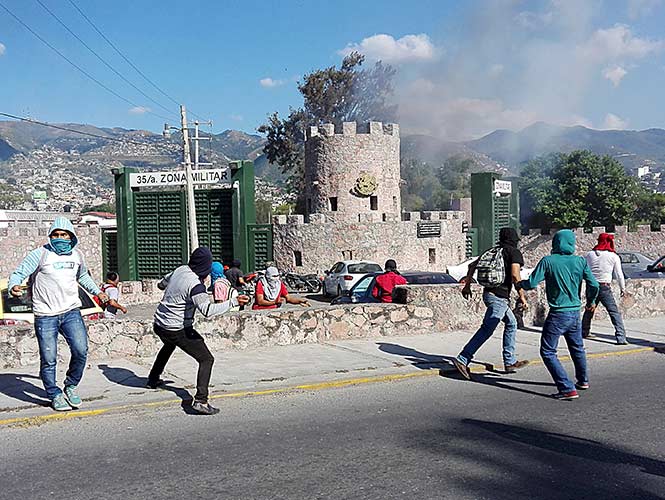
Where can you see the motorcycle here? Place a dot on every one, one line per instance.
(310, 283)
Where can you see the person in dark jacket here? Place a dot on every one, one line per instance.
(235, 275)
(497, 301)
(383, 288)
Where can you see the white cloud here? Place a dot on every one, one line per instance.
(614, 122)
(139, 110)
(614, 74)
(618, 42)
(2, 49)
(385, 48)
(534, 20)
(269, 83)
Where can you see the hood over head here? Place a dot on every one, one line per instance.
(605, 242)
(508, 237)
(217, 271)
(564, 242)
(64, 224)
(200, 262)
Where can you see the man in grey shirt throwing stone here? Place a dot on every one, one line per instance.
(174, 322)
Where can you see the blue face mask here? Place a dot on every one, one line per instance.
(61, 246)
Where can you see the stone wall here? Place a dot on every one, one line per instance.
(428, 309)
(335, 159)
(321, 243)
(17, 242)
(535, 245)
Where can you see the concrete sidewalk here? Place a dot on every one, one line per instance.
(120, 383)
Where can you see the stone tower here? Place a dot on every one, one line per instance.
(352, 174)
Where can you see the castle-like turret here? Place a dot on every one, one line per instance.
(353, 171)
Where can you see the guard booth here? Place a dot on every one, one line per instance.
(152, 234)
(495, 204)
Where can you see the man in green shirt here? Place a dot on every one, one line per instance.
(563, 273)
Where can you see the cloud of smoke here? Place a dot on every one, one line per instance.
(513, 68)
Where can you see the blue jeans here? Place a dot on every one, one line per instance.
(498, 309)
(606, 297)
(566, 324)
(71, 325)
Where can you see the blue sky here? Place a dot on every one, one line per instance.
(464, 68)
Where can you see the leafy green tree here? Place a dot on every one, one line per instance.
(103, 207)
(579, 189)
(330, 95)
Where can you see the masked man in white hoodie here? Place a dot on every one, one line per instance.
(56, 270)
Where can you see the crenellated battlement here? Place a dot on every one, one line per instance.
(373, 218)
(596, 230)
(353, 128)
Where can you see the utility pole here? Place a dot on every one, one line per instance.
(191, 207)
(196, 140)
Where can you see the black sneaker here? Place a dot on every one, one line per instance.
(583, 386)
(150, 384)
(204, 408)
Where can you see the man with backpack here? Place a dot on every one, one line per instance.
(56, 270)
(498, 268)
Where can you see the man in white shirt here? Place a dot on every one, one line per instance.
(605, 264)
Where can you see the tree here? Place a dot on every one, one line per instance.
(330, 95)
(104, 207)
(579, 189)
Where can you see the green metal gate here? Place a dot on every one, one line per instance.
(161, 239)
(260, 245)
(109, 251)
(214, 218)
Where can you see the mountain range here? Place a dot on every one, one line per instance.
(503, 147)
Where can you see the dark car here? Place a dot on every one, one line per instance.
(639, 266)
(362, 291)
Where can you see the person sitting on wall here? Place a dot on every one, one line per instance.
(386, 282)
(271, 293)
(110, 287)
(235, 275)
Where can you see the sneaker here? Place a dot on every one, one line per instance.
(59, 403)
(72, 396)
(155, 384)
(589, 336)
(622, 342)
(462, 368)
(204, 408)
(582, 385)
(566, 396)
(515, 366)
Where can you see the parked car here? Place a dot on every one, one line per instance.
(343, 275)
(638, 265)
(362, 290)
(19, 309)
(459, 271)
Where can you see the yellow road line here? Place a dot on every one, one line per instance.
(319, 386)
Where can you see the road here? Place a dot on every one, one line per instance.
(424, 438)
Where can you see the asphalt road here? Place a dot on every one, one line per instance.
(424, 438)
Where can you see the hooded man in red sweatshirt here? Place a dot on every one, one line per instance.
(383, 289)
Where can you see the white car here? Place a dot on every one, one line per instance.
(459, 271)
(344, 274)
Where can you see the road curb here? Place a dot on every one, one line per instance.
(316, 386)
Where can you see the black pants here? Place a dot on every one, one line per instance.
(193, 344)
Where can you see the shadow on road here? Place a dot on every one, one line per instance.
(126, 377)
(15, 386)
(511, 384)
(416, 358)
(507, 461)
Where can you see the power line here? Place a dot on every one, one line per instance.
(111, 91)
(102, 59)
(45, 124)
(127, 59)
